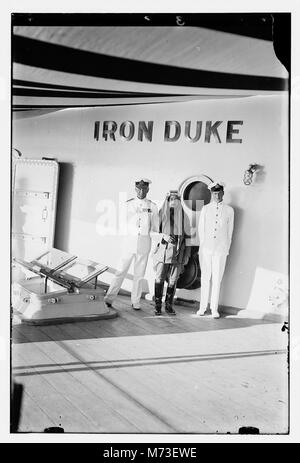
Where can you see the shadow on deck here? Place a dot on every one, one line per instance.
(132, 323)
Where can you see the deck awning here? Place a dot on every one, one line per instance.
(62, 61)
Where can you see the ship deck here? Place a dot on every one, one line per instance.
(138, 373)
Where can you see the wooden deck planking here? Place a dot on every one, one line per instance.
(100, 416)
(211, 398)
(18, 336)
(234, 387)
(33, 418)
(153, 378)
(217, 382)
(120, 403)
(186, 388)
(146, 382)
(128, 383)
(60, 409)
(184, 321)
(146, 320)
(207, 387)
(244, 374)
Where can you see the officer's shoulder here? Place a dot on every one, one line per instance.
(128, 200)
(229, 209)
(151, 202)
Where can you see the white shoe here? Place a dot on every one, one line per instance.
(136, 307)
(200, 313)
(215, 315)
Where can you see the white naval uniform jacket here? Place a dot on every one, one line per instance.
(215, 228)
(141, 221)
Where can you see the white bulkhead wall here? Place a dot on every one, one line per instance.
(96, 171)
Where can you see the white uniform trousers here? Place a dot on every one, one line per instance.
(139, 269)
(212, 268)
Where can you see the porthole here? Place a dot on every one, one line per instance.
(194, 194)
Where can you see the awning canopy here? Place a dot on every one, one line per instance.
(75, 60)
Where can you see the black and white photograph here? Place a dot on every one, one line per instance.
(150, 223)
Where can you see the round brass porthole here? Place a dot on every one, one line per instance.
(194, 194)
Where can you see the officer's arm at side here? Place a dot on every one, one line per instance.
(154, 230)
(201, 226)
(230, 226)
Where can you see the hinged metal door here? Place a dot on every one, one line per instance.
(35, 184)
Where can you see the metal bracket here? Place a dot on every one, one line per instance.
(32, 194)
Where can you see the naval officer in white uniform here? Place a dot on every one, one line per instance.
(141, 222)
(215, 233)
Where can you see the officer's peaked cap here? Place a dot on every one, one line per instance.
(142, 182)
(216, 186)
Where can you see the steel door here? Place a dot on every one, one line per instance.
(35, 184)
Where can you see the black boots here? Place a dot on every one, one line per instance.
(158, 288)
(169, 300)
(158, 292)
